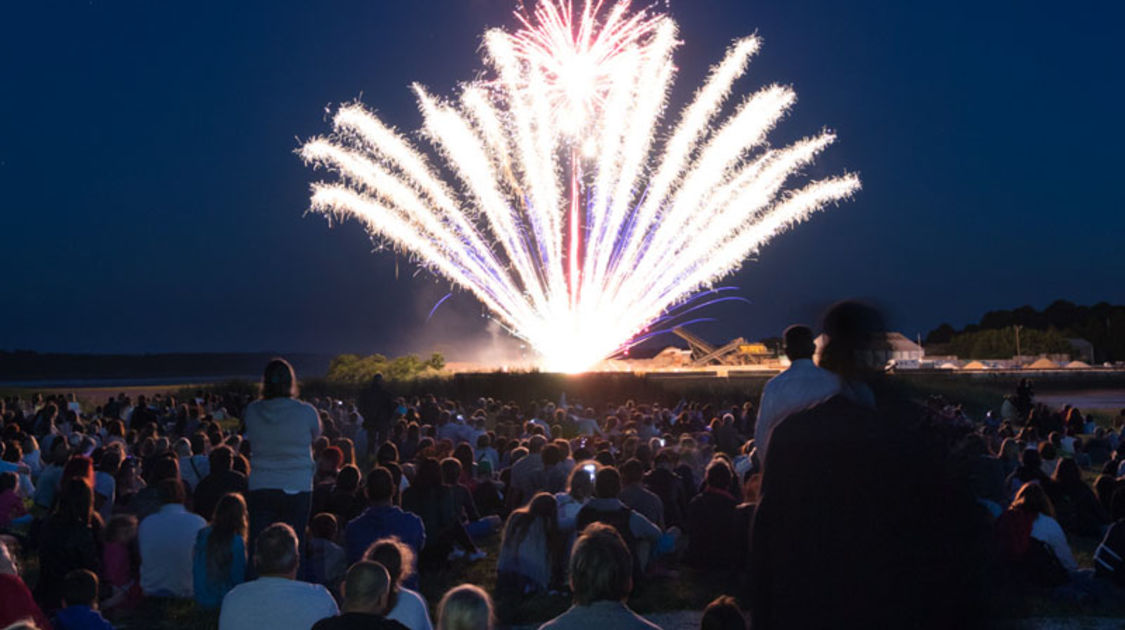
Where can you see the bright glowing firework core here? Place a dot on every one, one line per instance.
(563, 214)
(579, 56)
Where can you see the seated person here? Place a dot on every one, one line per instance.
(640, 534)
(325, 561)
(276, 600)
(80, 603)
(636, 496)
(219, 559)
(465, 607)
(1109, 558)
(166, 540)
(711, 520)
(530, 547)
(365, 598)
(404, 605)
(382, 519)
(601, 578)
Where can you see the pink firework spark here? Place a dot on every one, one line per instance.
(579, 54)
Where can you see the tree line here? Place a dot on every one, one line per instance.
(1041, 331)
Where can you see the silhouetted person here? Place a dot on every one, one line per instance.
(857, 525)
(800, 387)
(377, 406)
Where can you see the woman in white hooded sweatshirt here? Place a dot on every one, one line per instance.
(281, 430)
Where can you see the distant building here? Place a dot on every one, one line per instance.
(1081, 349)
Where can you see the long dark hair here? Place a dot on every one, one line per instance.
(1032, 498)
(229, 519)
(75, 501)
(542, 507)
(279, 380)
(428, 478)
(398, 558)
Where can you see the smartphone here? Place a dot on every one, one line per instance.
(590, 470)
(662, 443)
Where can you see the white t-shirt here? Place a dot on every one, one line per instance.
(1048, 530)
(411, 611)
(281, 432)
(802, 386)
(275, 603)
(166, 540)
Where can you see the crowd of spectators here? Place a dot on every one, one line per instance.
(868, 507)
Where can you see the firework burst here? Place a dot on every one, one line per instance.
(558, 207)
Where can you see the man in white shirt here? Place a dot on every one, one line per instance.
(276, 600)
(166, 539)
(800, 387)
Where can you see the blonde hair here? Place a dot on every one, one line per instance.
(465, 607)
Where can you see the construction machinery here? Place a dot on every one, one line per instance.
(735, 352)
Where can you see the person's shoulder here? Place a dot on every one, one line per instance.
(245, 591)
(304, 406)
(411, 595)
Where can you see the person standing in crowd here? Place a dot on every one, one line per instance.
(801, 386)
(366, 587)
(281, 430)
(166, 540)
(601, 578)
(219, 560)
(377, 406)
(856, 523)
(465, 607)
(276, 600)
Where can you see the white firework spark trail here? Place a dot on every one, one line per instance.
(563, 211)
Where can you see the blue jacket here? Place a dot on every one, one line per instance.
(380, 522)
(208, 592)
(80, 618)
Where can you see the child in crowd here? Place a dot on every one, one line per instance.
(119, 562)
(80, 603)
(219, 559)
(325, 561)
(12, 510)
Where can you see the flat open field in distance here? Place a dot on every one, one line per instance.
(1093, 390)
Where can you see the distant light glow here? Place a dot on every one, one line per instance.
(569, 211)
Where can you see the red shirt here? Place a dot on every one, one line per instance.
(16, 603)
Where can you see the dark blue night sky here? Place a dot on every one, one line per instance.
(151, 199)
